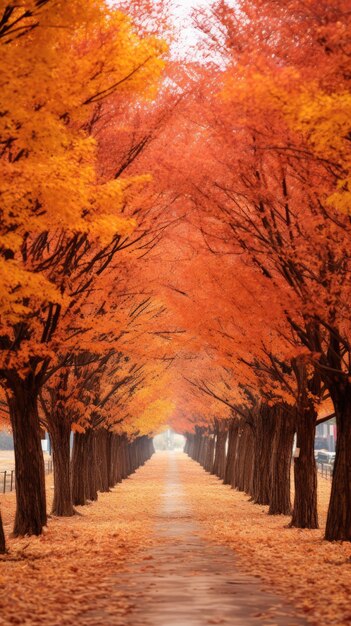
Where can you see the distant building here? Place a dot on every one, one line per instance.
(326, 436)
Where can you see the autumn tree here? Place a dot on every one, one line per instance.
(228, 201)
(52, 226)
(322, 327)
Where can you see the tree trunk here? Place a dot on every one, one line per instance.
(130, 468)
(79, 493)
(232, 441)
(125, 458)
(220, 453)
(339, 514)
(263, 438)
(187, 444)
(2, 538)
(103, 459)
(151, 448)
(29, 463)
(305, 514)
(210, 453)
(239, 457)
(118, 467)
(243, 467)
(249, 460)
(197, 443)
(60, 433)
(133, 454)
(190, 447)
(203, 449)
(280, 503)
(91, 469)
(138, 453)
(84, 468)
(114, 472)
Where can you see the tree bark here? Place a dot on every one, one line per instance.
(210, 453)
(103, 459)
(29, 462)
(220, 453)
(305, 513)
(187, 444)
(91, 468)
(280, 503)
(244, 462)
(152, 448)
(84, 483)
(190, 446)
(119, 460)
(79, 494)
(130, 469)
(197, 443)
(114, 472)
(232, 442)
(60, 433)
(2, 537)
(202, 452)
(263, 438)
(249, 460)
(239, 456)
(338, 525)
(125, 461)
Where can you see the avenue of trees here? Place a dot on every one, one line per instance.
(175, 246)
(73, 315)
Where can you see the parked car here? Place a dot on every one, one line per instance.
(324, 456)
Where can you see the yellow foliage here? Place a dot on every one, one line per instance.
(324, 119)
(19, 286)
(52, 77)
(154, 417)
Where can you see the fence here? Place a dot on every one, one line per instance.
(326, 470)
(8, 478)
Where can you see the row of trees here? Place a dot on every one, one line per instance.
(254, 455)
(265, 172)
(74, 310)
(221, 284)
(101, 459)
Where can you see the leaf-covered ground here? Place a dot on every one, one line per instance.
(89, 569)
(312, 573)
(64, 575)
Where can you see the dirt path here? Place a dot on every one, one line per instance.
(137, 557)
(186, 581)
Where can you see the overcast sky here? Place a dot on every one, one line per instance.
(182, 14)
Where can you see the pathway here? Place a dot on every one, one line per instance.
(185, 581)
